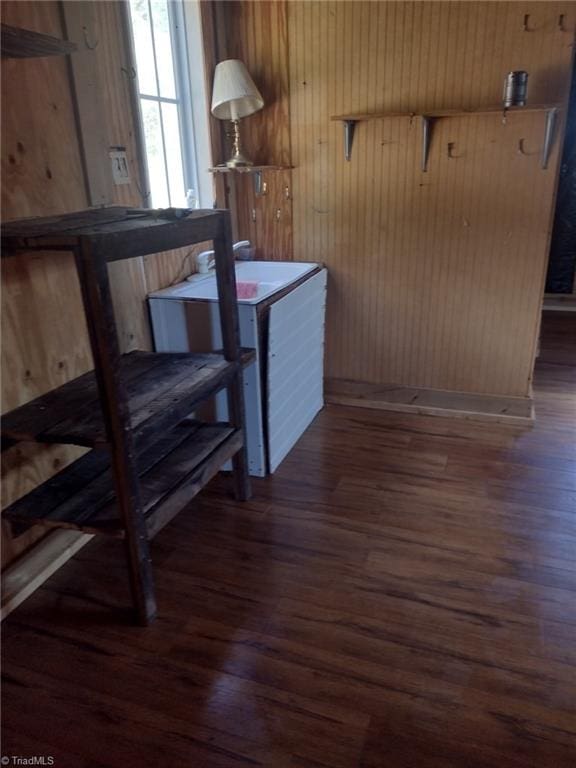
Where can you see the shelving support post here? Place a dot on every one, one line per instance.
(230, 325)
(95, 287)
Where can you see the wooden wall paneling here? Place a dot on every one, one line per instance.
(41, 166)
(108, 67)
(171, 267)
(435, 278)
(80, 24)
(215, 47)
(266, 219)
(128, 279)
(213, 14)
(42, 346)
(101, 72)
(257, 33)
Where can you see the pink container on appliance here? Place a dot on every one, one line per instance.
(247, 289)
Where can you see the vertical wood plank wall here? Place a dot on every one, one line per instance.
(44, 339)
(42, 346)
(257, 33)
(436, 278)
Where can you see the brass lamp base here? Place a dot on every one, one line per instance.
(238, 160)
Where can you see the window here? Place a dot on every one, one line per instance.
(159, 30)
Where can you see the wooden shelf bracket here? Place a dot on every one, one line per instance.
(349, 128)
(427, 128)
(260, 188)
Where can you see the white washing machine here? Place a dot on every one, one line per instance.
(284, 323)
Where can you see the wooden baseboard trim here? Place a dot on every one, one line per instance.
(430, 402)
(31, 570)
(559, 302)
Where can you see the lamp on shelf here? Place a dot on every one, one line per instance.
(235, 96)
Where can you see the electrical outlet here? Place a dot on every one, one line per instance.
(120, 172)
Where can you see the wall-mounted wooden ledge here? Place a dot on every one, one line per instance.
(430, 402)
(429, 117)
(257, 171)
(250, 168)
(497, 109)
(17, 43)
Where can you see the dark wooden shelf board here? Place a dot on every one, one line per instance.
(114, 233)
(163, 388)
(172, 471)
(17, 43)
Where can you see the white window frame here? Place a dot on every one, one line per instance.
(190, 99)
(200, 102)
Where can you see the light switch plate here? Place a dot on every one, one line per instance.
(120, 172)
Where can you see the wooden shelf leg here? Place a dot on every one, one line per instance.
(242, 490)
(226, 279)
(95, 287)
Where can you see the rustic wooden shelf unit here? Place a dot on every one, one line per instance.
(148, 456)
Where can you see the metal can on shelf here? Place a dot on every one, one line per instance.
(515, 88)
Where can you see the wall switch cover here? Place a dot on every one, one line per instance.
(120, 172)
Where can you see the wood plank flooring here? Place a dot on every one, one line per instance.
(401, 594)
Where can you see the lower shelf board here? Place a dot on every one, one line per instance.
(172, 471)
(162, 389)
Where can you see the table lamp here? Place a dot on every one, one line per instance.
(235, 96)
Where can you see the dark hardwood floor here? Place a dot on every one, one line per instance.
(402, 594)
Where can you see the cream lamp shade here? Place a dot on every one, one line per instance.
(234, 94)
